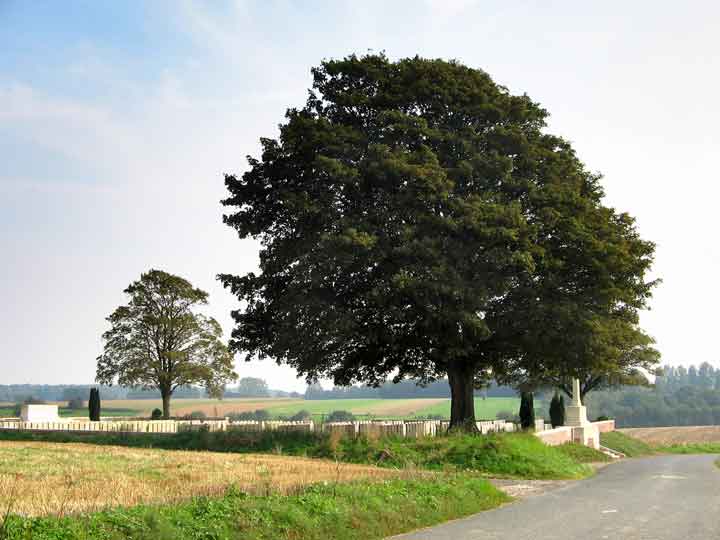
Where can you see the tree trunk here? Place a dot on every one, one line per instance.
(462, 402)
(166, 402)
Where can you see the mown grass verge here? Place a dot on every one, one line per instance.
(357, 511)
(690, 448)
(583, 454)
(519, 455)
(627, 445)
(633, 447)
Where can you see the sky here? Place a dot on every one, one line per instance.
(118, 120)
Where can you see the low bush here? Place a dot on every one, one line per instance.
(196, 415)
(301, 416)
(260, 415)
(508, 416)
(156, 414)
(340, 416)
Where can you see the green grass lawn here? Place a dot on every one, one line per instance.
(485, 409)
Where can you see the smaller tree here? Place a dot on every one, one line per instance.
(252, 387)
(94, 405)
(156, 414)
(527, 410)
(159, 341)
(557, 410)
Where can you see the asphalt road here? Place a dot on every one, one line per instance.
(657, 498)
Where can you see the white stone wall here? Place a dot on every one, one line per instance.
(39, 413)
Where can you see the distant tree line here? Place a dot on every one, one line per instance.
(15, 393)
(680, 397)
(402, 390)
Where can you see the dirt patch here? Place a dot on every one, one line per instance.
(675, 435)
(527, 488)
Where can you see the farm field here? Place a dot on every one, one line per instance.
(377, 408)
(49, 478)
(677, 435)
(485, 409)
(8, 410)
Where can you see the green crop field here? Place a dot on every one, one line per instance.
(485, 409)
(395, 408)
(283, 407)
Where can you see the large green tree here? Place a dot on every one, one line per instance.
(405, 213)
(159, 340)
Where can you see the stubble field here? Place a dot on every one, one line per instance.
(39, 478)
(677, 435)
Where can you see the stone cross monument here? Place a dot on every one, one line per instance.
(575, 413)
(583, 432)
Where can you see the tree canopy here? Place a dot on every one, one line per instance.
(409, 215)
(158, 340)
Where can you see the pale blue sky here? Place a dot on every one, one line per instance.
(117, 120)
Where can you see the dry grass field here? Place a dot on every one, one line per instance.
(211, 407)
(675, 435)
(56, 479)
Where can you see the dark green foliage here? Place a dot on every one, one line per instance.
(527, 410)
(671, 402)
(156, 414)
(197, 415)
(94, 405)
(340, 416)
(354, 511)
(557, 410)
(416, 221)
